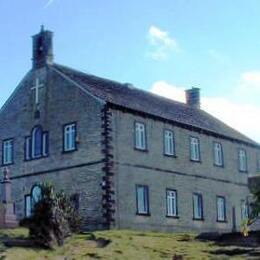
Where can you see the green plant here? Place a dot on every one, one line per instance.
(54, 218)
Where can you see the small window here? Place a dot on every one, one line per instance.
(7, 151)
(242, 159)
(142, 199)
(194, 149)
(140, 136)
(171, 203)
(69, 136)
(244, 209)
(197, 207)
(218, 154)
(169, 146)
(221, 209)
(28, 206)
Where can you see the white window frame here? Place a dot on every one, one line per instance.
(142, 199)
(69, 137)
(242, 160)
(197, 206)
(8, 151)
(218, 154)
(169, 144)
(221, 209)
(171, 203)
(194, 149)
(140, 136)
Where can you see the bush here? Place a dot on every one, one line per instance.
(54, 218)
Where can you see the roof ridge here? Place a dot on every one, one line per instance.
(87, 74)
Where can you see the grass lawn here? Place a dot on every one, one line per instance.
(123, 245)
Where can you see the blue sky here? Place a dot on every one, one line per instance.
(161, 46)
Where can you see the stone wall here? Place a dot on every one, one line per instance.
(159, 172)
(79, 171)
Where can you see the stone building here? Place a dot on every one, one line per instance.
(129, 158)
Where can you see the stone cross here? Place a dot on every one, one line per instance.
(37, 88)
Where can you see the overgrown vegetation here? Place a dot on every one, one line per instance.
(254, 212)
(128, 245)
(54, 218)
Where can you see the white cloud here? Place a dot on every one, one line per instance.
(161, 43)
(241, 116)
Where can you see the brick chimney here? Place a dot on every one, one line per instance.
(193, 97)
(42, 48)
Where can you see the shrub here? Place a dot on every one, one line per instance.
(54, 218)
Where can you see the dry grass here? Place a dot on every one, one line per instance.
(122, 244)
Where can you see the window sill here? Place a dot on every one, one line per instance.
(246, 171)
(198, 219)
(141, 150)
(170, 155)
(196, 161)
(69, 151)
(7, 164)
(219, 166)
(36, 158)
(143, 214)
(222, 221)
(174, 217)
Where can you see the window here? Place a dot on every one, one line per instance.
(169, 146)
(171, 203)
(221, 209)
(197, 207)
(28, 150)
(194, 149)
(218, 154)
(36, 194)
(45, 144)
(69, 137)
(244, 209)
(242, 160)
(140, 136)
(36, 145)
(28, 206)
(142, 199)
(37, 142)
(8, 151)
(31, 199)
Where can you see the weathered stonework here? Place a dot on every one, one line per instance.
(105, 168)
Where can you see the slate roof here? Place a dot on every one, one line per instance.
(127, 96)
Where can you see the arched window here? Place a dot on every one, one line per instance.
(31, 199)
(37, 142)
(36, 194)
(36, 145)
